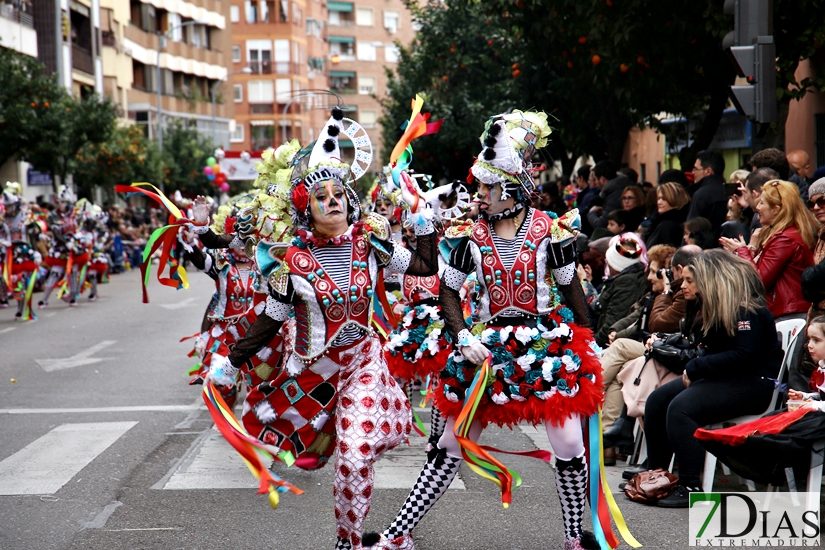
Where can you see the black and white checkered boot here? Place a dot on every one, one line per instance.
(571, 483)
(436, 476)
(437, 423)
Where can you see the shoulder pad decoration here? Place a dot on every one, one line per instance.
(378, 225)
(279, 279)
(565, 229)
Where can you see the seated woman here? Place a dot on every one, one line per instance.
(672, 205)
(634, 205)
(625, 285)
(761, 450)
(782, 249)
(734, 377)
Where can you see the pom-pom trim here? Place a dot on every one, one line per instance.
(489, 154)
(329, 146)
(494, 130)
(333, 130)
(337, 113)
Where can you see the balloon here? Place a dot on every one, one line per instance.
(224, 187)
(210, 177)
(216, 169)
(208, 170)
(220, 178)
(219, 154)
(245, 156)
(211, 161)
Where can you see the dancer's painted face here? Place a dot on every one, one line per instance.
(489, 199)
(383, 207)
(328, 202)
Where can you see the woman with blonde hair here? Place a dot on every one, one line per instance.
(671, 211)
(735, 375)
(781, 251)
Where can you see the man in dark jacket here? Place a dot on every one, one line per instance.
(776, 160)
(610, 197)
(709, 198)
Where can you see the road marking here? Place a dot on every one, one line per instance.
(210, 463)
(50, 314)
(399, 468)
(77, 360)
(179, 305)
(144, 529)
(137, 408)
(9, 329)
(101, 519)
(46, 464)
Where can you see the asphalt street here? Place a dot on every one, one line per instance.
(103, 445)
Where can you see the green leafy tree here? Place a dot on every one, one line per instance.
(127, 156)
(184, 156)
(63, 128)
(24, 88)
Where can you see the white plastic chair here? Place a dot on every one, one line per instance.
(788, 332)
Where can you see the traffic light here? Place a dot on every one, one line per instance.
(753, 53)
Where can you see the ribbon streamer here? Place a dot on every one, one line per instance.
(248, 447)
(28, 311)
(7, 268)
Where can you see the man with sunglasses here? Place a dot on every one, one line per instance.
(813, 278)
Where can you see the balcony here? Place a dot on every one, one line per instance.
(261, 109)
(261, 67)
(12, 13)
(82, 60)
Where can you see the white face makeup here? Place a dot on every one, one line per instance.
(328, 206)
(489, 199)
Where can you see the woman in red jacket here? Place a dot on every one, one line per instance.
(781, 250)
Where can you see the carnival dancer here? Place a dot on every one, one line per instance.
(543, 356)
(18, 260)
(98, 258)
(65, 253)
(335, 382)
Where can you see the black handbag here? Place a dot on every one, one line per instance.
(673, 352)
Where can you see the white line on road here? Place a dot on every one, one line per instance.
(179, 305)
(136, 408)
(210, 463)
(45, 465)
(9, 329)
(76, 360)
(399, 468)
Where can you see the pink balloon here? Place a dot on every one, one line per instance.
(224, 187)
(208, 170)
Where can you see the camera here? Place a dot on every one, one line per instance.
(665, 272)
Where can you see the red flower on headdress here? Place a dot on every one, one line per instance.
(300, 198)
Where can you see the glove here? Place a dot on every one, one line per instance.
(200, 344)
(200, 211)
(222, 372)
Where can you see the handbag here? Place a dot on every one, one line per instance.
(674, 352)
(649, 486)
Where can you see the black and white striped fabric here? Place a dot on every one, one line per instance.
(508, 248)
(337, 263)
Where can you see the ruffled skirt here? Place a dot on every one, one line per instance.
(543, 374)
(419, 347)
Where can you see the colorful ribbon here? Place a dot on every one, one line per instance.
(248, 447)
(603, 506)
(415, 127)
(28, 311)
(162, 238)
(477, 456)
(7, 267)
(383, 317)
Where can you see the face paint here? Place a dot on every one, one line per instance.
(330, 197)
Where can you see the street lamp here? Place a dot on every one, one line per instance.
(162, 44)
(302, 93)
(245, 70)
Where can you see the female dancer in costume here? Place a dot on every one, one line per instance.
(336, 372)
(66, 254)
(18, 260)
(543, 355)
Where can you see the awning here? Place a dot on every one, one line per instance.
(342, 39)
(339, 6)
(344, 143)
(342, 74)
(262, 122)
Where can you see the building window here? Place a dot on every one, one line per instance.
(237, 90)
(392, 20)
(283, 90)
(363, 17)
(236, 54)
(366, 85)
(344, 49)
(391, 54)
(173, 22)
(366, 51)
(259, 56)
(237, 135)
(267, 12)
(235, 17)
(284, 11)
(261, 91)
(251, 9)
(262, 136)
(282, 57)
(367, 119)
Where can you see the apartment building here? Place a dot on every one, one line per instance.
(278, 58)
(362, 39)
(190, 42)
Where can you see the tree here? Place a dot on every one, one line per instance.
(24, 87)
(184, 156)
(63, 127)
(127, 156)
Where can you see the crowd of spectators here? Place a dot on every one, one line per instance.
(130, 229)
(706, 262)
